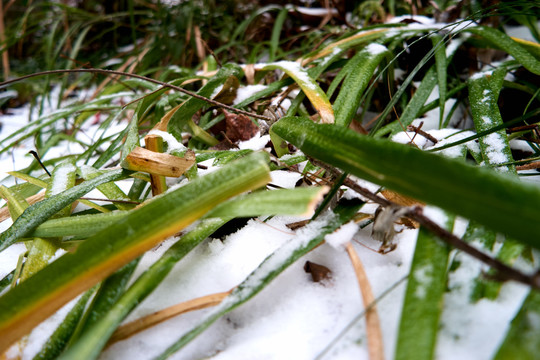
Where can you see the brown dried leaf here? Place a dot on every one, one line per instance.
(239, 127)
(318, 272)
(141, 159)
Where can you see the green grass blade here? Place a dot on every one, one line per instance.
(485, 112)
(39, 296)
(290, 202)
(494, 200)
(110, 290)
(440, 65)
(522, 340)
(298, 201)
(423, 302)
(59, 339)
(15, 203)
(41, 211)
(42, 250)
(270, 268)
(502, 41)
(356, 82)
(276, 32)
(80, 226)
(110, 190)
(318, 98)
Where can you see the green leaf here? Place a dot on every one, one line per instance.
(502, 41)
(41, 211)
(59, 339)
(318, 98)
(423, 302)
(39, 296)
(110, 190)
(495, 200)
(485, 112)
(522, 340)
(440, 65)
(80, 226)
(356, 82)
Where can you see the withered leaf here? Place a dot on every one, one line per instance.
(318, 272)
(239, 127)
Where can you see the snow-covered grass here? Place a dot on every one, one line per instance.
(293, 316)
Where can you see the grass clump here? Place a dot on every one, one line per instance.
(437, 109)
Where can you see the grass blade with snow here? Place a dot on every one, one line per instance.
(522, 340)
(290, 201)
(485, 112)
(423, 302)
(318, 98)
(356, 82)
(271, 267)
(99, 256)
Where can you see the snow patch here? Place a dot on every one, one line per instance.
(244, 92)
(342, 235)
(172, 143)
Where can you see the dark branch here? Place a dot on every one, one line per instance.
(504, 272)
(162, 83)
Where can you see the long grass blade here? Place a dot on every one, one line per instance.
(423, 302)
(318, 98)
(41, 211)
(36, 298)
(522, 341)
(356, 82)
(497, 201)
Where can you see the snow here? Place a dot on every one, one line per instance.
(494, 145)
(60, 178)
(375, 49)
(244, 92)
(172, 143)
(295, 69)
(257, 142)
(342, 235)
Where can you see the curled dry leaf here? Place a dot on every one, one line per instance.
(141, 159)
(319, 273)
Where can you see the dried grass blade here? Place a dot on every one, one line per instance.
(134, 327)
(373, 325)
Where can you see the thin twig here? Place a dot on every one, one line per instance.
(504, 272)
(36, 156)
(162, 83)
(419, 131)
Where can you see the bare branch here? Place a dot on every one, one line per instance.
(162, 83)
